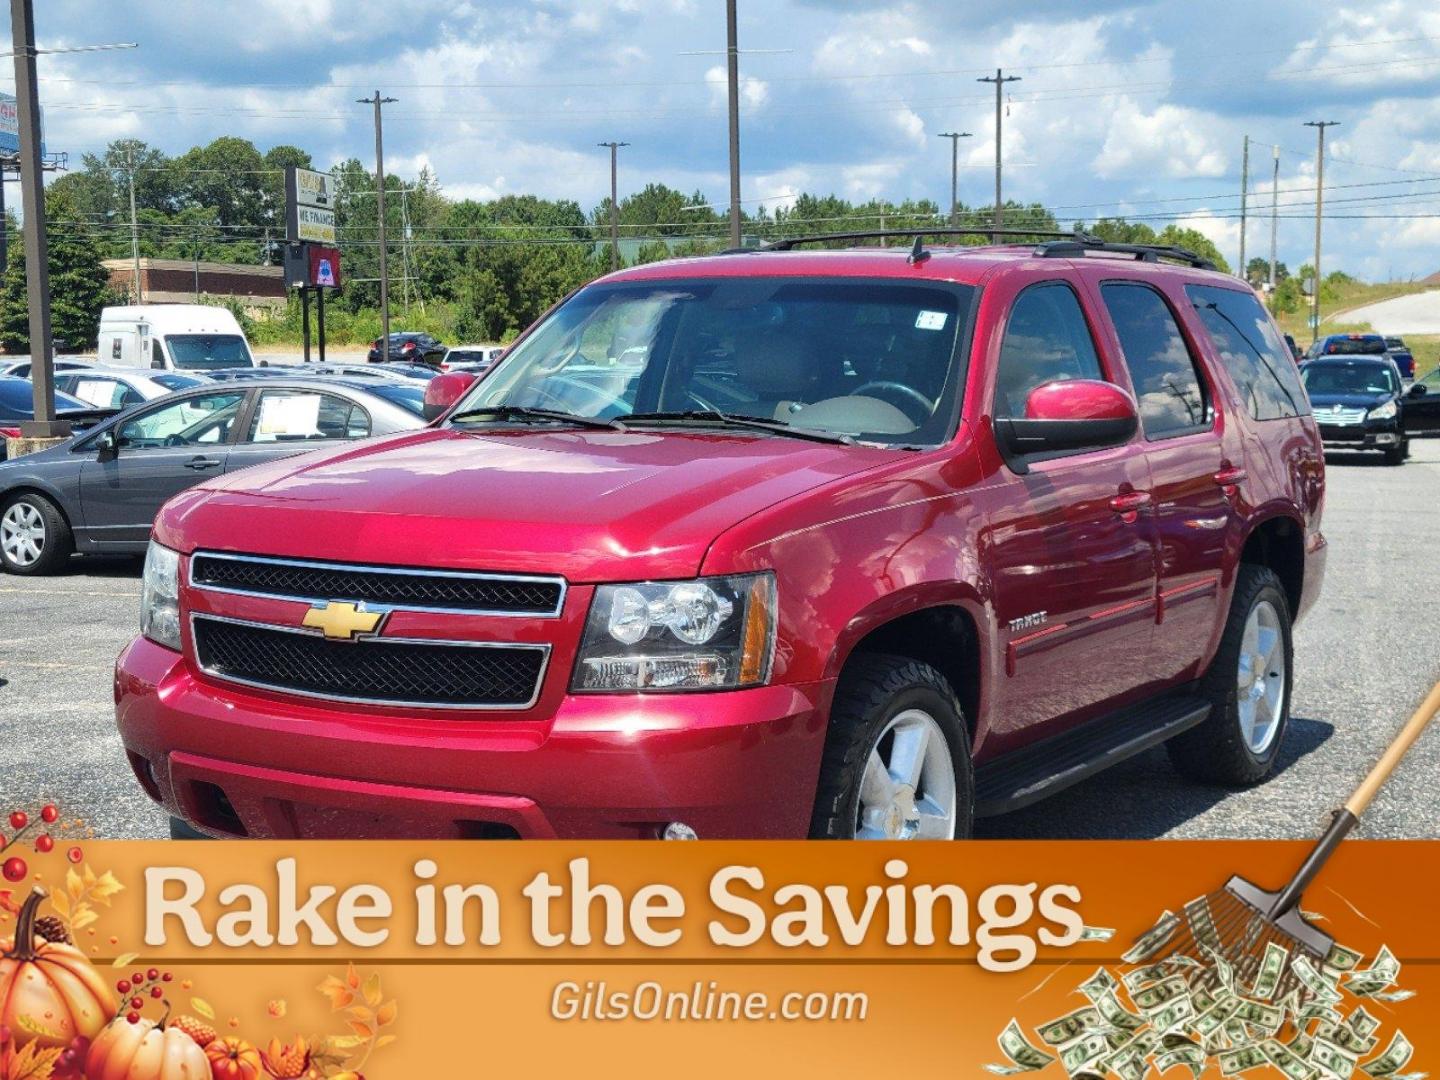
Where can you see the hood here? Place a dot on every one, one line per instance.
(1322, 403)
(591, 505)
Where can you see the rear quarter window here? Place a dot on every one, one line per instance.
(1251, 350)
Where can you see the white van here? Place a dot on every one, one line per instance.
(172, 337)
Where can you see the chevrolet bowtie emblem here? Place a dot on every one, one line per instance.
(341, 621)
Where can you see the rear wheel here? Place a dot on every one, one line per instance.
(34, 536)
(897, 762)
(1248, 686)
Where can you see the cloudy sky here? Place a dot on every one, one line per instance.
(1124, 108)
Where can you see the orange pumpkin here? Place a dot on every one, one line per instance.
(234, 1059)
(51, 985)
(145, 1051)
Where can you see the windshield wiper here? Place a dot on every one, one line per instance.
(524, 412)
(748, 423)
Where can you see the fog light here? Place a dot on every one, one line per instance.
(678, 830)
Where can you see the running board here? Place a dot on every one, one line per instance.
(1040, 769)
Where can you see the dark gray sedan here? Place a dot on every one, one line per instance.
(99, 491)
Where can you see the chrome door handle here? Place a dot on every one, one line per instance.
(198, 463)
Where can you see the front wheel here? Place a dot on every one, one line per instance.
(897, 761)
(1248, 686)
(1397, 455)
(34, 536)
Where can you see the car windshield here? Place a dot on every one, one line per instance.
(1349, 379)
(206, 352)
(873, 359)
(1355, 346)
(409, 396)
(465, 356)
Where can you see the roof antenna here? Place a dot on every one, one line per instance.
(918, 254)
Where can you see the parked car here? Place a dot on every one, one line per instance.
(98, 492)
(242, 374)
(116, 388)
(1359, 404)
(844, 547)
(1347, 345)
(472, 358)
(393, 370)
(172, 337)
(1421, 407)
(17, 404)
(1295, 352)
(410, 348)
(20, 369)
(1403, 357)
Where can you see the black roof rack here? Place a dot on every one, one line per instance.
(1079, 244)
(790, 242)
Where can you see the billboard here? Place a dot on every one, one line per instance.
(10, 126)
(309, 206)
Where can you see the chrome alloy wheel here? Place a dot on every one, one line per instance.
(22, 534)
(907, 791)
(1260, 678)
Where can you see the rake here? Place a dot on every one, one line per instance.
(1237, 922)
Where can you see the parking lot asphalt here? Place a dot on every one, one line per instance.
(1364, 658)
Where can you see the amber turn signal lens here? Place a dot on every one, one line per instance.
(758, 642)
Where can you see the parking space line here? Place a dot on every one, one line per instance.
(65, 592)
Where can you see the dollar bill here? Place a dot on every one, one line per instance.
(1192, 1057)
(1396, 1056)
(1151, 998)
(1318, 986)
(1083, 1052)
(1267, 1017)
(1173, 1015)
(1381, 973)
(1335, 1060)
(1102, 982)
(1361, 1022)
(1287, 1061)
(1241, 1059)
(1153, 940)
(1128, 1064)
(1023, 1057)
(1342, 959)
(1097, 933)
(1391, 996)
(1272, 966)
(1223, 971)
(1317, 1010)
(1302, 1044)
(1149, 973)
(1070, 1027)
(1345, 1037)
(1116, 1015)
(1213, 1019)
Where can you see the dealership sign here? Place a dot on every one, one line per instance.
(10, 126)
(309, 206)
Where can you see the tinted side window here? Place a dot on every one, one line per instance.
(1251, 350)
(1167, 384)
(1046, 340)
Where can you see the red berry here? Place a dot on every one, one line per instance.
(156, 992)
(19, 819)
(138, 978)
(166, 977)
(49, 814)
(123, 986)
(152, 974)
(75, 854)
(137, 1003)
(133, 1017)
(44, 843)
(15, 869)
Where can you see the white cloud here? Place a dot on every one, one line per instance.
(753, 91)
(1169, 140)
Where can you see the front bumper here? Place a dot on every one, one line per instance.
(232, 762)
(1369, 435)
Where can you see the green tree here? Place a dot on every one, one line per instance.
(1193, 240)
(79, 284)
(1258, 270)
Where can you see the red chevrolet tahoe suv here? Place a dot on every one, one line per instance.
(838, 543)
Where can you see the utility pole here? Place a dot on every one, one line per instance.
(999, 79)
(378, 101)
(732, 64)
(614, 204)
(1274, 220)
(1244, 203)
(954, 137)
(37, 253)
(134, 225)
(1319, 126)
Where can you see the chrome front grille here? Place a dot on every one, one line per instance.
(393, 587)
(1340, 417)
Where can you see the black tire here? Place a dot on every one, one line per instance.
(873, 689)
(181, 829)
(1216, 752)
(1397, 455)
(56, 546)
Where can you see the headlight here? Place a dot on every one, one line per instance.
(160, 596)
(708, 634)
(1383, 412)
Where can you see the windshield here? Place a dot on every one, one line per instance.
(410, 397)
(206, 352)
(1349, 379)
(874, 359)
(1356, 346)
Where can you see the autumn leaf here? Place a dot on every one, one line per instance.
(203, 1007)
(83, 917)
(35, 1027)
(124, 959)
(372, 990)
(104, 889)
(384, 1040)
(339, 994)
(59, 901)
(360, 1012)
(386, 1013)
(73, 885)
(345, 1042)
(33, 1063)
(365, 1031)
(352, 977)
(88, 876)
(276, 1008)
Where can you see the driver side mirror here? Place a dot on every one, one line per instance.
(443, 391)
(1418, 390)
(1068, 416)
(106, 444)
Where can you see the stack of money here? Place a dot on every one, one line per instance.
(1197, 1012)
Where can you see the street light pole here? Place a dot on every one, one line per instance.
(954, 137)
(378, 101)
(614, 204)
(1319, 126)
(134, 224)
(732, 64)
(999, 79)
(1274, 220)
(1244, 203)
